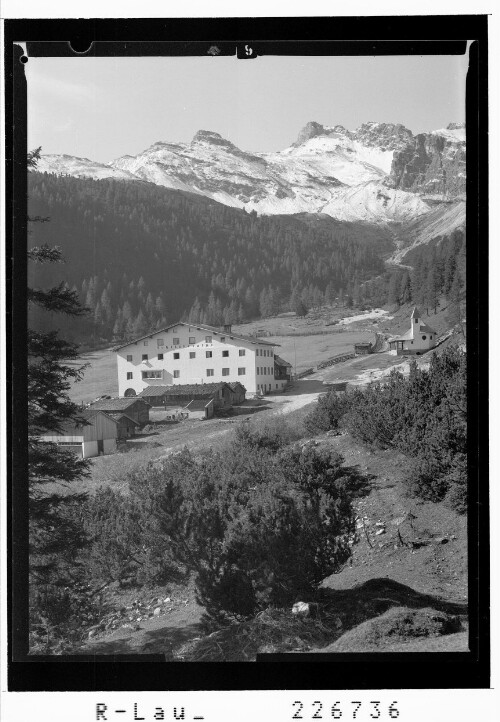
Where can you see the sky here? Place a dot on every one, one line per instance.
(103, 108)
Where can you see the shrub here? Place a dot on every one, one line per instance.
(329, 411)
(116, 527)
(258, 528)
(272, 433)
(424, 416)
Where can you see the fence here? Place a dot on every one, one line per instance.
(304, 373)
(311, 332)
(335, 360)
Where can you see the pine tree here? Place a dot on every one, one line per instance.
(405, 288)
(54, 534)
(431, 298)
(456, 303)
(393, 298)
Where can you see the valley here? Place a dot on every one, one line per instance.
(324, 245)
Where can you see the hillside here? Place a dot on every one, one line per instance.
(139, 255)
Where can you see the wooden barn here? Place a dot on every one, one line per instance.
(126, 425)
(200, 409)
(94, 437)
(362, 348)
(182, 394)
(239, 392)
(134, 407)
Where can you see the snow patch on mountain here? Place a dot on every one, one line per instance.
(373, 202)
(372, 174)
(80, 167)
(453, 135)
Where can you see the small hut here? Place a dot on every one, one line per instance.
(363, 348)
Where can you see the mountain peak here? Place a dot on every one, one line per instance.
(210, 136)
(386, 136)
(455, 126)
(310, 130)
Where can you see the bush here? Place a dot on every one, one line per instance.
(272, 433)
(423, 416)
(330, 410)
(258, 528)
(116, 526)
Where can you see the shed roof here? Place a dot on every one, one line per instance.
(208, 390)
(213, 329)
(119, 404)
(404, 337)
(281, 362)
(234, 384)
(153, 391)
(198, 404)
(119, 417)
(88, 414)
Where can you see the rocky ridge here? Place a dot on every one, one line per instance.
(379, 173)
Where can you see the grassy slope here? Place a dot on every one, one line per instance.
(99, 378)
(383, 574)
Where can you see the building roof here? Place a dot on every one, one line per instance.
(233, 384)
(184, 390)
(88, 414)
(198, 404)
(281, 362)
(415, 313)
(426, 328)
(119, 417)
(200, 327)
(408, 336)
(115, 404)
(153, 391)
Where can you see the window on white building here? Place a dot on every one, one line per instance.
(175, 341)
(192, 354)
(225, 354)
(160, 357)
(225, 372)
(192, 339)
(176, 355)
(241, 372)
(423, 338)
(160, 342)
(129, 375)
(144, 357)
(177, 374)
(241, 352)
(208, 354)
(223, 339)
(145, 343)
(208, 339)
(210, 372)
(151, 374)
(129, 357)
